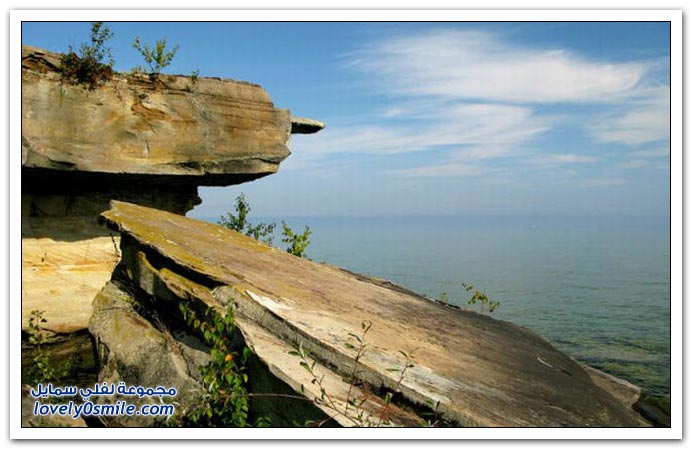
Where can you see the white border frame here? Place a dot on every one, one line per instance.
(674, 16)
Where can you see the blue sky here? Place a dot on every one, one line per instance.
(439, 118)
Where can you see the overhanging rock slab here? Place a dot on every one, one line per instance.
(198, 131)
(482, 371)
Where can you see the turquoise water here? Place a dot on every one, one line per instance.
(598, 288)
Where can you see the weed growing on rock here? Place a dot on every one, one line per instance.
(359, 350)
(225, 400)
(157, 57)
(408, 363)
(41, 368)
(194, 77)
(264, 232)
(477, 297)
(94, 64)
(481, 298)
(353, 409)
(433, 418)
(297, 243)
(240, 223)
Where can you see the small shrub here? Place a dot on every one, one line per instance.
(353, 411)
(481, 298)
(94, 64)
(239, 222)
(297, 243)
(156, 58)
(477, 297)
(41, 368)
(194, 77)
(225, 399)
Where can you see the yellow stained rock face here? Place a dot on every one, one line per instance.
(63, 277)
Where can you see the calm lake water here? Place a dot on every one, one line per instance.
(598, 288)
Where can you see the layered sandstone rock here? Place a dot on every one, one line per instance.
(146, 141)
(204, 132)
(67, 256)
(481, 371)
(302, 125)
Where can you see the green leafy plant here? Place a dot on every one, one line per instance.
(157, 57)
(297, 243)
(408, 363)
(433, 418)
(239, 222)
(481, 298)
(477, 297)
(41, 368)
(225, 399)
(94, 64)
(194, 77)
(353, 409)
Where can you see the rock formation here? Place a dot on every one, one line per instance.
(174, 130)
(134, 139)
(480, 371)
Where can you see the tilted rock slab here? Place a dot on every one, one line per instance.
(482, 371)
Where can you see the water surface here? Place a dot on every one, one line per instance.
(598, 288)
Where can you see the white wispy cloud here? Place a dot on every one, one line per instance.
(638, 121)
(634, 164)
(464, 162)
(560, 159)
(603, 182)
(655, 152)
(487, 151)
(479, 65)
(471, 130)
(656, 158)
(442, 170)
(470, 97)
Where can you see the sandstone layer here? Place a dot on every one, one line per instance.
(480, 371)
(206, 131)
(67, 256)
(136, 139)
